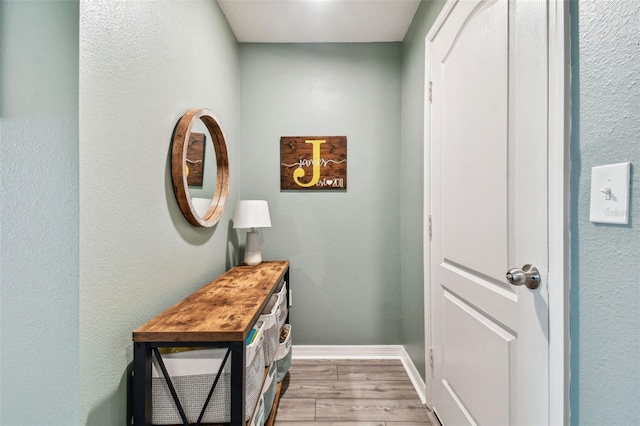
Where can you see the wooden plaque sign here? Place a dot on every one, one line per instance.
(313, 162)
(195, 158)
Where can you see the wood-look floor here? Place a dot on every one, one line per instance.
(349, 393)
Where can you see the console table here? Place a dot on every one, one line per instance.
(220, 314)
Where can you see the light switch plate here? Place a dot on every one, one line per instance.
(610, 193)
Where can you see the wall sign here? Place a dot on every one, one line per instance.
(195, 159)
(313, 162)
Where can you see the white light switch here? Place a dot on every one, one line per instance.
(610, 193)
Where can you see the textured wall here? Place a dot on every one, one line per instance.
(344, 247)
(142, 65)
(412, 182)
(39, 212)
(605, 296)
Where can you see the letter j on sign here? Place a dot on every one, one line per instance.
(313, 162)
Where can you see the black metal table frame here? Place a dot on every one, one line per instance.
(141, 386)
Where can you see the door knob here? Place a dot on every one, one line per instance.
(528, 276)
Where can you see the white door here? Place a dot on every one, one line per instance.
(488, 204)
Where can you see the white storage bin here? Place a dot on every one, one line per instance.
(270, 317)
(192, 373)
(283, 356)
(281, 291)
(258, 418)
(269, 389)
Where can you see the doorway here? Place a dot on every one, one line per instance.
(466, 253)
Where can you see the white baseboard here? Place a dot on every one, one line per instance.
(365, 352)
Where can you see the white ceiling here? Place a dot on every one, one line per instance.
(319, 21)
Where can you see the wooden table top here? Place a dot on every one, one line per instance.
(221, 311)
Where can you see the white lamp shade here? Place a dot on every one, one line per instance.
(252, 214)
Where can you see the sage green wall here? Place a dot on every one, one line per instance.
(344, 247)
(142, 65)
(39, 212)
(605, 296)
(412, 182)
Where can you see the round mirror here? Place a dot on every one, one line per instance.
(199, 169)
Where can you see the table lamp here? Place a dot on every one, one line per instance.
(252, 214)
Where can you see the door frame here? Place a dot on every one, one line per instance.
(558, 208)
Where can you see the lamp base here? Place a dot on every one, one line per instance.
(252, 255)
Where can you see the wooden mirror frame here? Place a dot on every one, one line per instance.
(179, 144)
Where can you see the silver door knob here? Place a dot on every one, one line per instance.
(528, 276)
